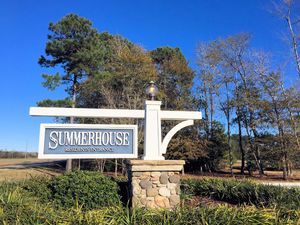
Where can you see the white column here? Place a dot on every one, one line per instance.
(152, 131)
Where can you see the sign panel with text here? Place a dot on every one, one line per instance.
(67, 141)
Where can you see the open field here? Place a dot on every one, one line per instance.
(21, 174)
(20, 169)
(30, 163)
(7, 162)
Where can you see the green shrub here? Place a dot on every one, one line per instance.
(88, 189)
(91, 190)
(244, 192)
(122, 182)
(40, 187)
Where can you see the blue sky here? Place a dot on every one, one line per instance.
(152, 24)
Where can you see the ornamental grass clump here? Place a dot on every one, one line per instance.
(220, 214)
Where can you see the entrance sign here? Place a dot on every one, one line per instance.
(154, 145)
(87, 141)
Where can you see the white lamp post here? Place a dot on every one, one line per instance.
(152, 129)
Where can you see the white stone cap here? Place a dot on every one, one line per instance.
(155, 165)
(148, 102)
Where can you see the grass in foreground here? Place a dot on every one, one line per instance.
(18, 206)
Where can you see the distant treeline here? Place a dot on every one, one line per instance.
(15, 154)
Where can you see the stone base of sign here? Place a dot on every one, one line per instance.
(154, 183)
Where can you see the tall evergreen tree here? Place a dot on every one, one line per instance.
(73, 45)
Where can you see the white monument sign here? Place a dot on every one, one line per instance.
(87, 141)
(154, 147)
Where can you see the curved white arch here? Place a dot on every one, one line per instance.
(172, 132)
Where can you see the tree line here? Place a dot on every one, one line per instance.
(233, 81)
(10, 154)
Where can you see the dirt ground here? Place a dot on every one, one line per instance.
(195, 201)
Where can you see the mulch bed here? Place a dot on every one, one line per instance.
(195, 201)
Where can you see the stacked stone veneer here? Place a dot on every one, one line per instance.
(155, 183)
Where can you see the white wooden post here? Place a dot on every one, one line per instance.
(152, 131)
